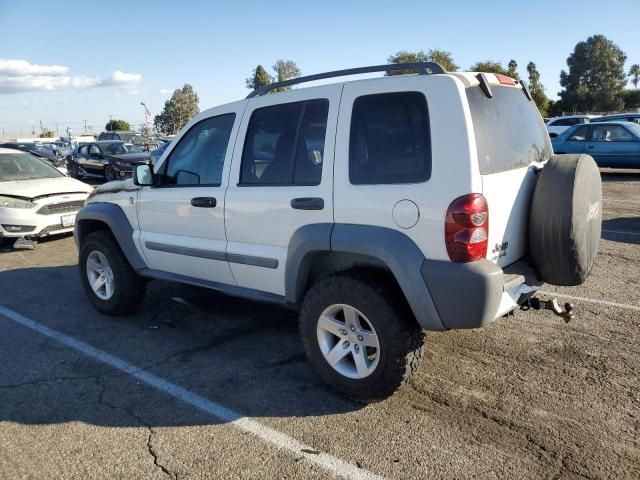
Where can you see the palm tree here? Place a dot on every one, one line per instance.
(634, 73)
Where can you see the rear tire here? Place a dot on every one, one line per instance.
(381, 311)
(74, 171)
(122, 290)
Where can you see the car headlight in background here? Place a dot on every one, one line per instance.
(9, 202)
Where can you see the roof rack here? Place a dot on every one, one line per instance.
(424, 68)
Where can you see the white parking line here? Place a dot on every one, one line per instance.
(280, 440)
(620, 232)
(592, 300)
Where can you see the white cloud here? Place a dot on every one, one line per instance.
(21, 76)
(121, 78)
(18, 68)
(165, 91)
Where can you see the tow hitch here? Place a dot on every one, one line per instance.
(566, 312)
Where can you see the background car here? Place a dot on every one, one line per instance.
(47, 152)
(611, 144)
(619, 117)
(36, 200)
(110, 159)
(157, 153)
(557, 125)
(145, 143)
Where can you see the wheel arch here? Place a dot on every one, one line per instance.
(319, 250)
(108, 217)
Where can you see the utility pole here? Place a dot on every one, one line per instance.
(85, 126)
(57, 128)
(41, 130)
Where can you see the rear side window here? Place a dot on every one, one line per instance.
(509, 131)
(285, 144)
(390, 139)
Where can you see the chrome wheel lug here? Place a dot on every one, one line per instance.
(353, 329)
(345, 344)
(360, 337)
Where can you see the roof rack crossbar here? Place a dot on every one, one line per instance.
(424, 68)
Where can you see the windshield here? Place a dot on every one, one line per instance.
(634, 127)
(113, 148)
(509, 131)
(131, 148)
(22, 166)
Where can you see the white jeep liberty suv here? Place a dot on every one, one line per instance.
(378, 208)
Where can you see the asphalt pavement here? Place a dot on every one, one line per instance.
(200, 385)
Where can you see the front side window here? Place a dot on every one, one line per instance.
(198, 158)
(285, 144)
(611, 133)
(580, 135)
(390, 139)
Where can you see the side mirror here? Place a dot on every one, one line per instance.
(143, 175)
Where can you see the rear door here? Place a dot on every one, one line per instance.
(511, 140)
(281, 180)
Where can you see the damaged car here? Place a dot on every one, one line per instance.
(36, 200)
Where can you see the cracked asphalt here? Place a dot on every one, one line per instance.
(527, 397)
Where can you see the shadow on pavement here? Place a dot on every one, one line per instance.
(244, 355)
(623, 230)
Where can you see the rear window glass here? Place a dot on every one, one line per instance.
(390, 140)
(509, 131)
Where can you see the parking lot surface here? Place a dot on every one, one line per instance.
(200, 385)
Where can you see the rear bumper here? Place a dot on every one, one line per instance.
(472, 295)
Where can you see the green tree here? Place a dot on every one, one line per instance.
(634, 73)
(178, 110)
(47, 134)
(442, 57)
(512, 69)
(631, 99)
(285, 70)
(258, 78)
(117, 125)
(488, 66)
(537, 89)
(596, 76)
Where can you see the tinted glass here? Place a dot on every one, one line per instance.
(579, 135)
(389, 140)
(611, 133)
(94, 150)
(285, 144)
(509, 131)
(22, 166)
(198, 159)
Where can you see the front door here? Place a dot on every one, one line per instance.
(611, 146)
(281, 180)
(182, 218)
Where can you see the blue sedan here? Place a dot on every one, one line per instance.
(611, 144)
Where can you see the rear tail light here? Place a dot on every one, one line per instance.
(467, 228)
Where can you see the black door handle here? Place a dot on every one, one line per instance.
(204, 202)
(307, 203)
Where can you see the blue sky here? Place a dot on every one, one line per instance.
(118, 54)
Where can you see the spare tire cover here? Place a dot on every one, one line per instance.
(566, 219)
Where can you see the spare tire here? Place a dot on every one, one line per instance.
(566, 219)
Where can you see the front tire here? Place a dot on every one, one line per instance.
(109, 282)
(109, 173)
(360, 335)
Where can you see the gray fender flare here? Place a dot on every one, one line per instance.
(116, 220)
(391, 247)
